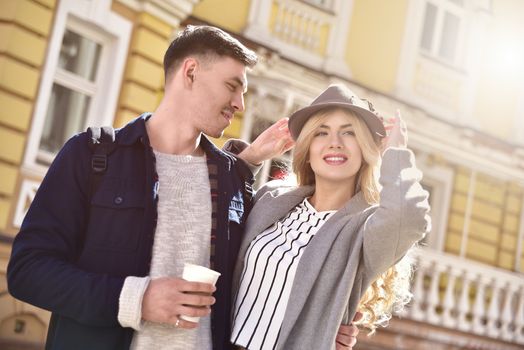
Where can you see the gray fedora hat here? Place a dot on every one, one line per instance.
(338, 96)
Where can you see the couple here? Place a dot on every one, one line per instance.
(109, 268)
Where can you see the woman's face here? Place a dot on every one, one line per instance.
(334, 153)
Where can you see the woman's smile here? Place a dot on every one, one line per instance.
(335, 159)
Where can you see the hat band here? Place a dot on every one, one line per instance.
(353, 101)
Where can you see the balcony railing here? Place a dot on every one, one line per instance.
(461, 294)
(297, 24)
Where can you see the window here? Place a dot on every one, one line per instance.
(73, 89)
(442, 30)
(81, 78)
(438, 181)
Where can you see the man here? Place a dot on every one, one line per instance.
(106, 269)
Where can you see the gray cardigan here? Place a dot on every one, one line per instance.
(356, 245)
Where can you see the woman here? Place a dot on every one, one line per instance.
(311, 253)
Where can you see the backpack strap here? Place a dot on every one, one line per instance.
(102, 144)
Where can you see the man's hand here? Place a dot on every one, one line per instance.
(273, 142)
(347, 335)
(167, 298)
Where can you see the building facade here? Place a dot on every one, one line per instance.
(453, 67)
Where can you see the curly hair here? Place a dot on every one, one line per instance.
(390, 292)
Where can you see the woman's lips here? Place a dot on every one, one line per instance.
(335, 159)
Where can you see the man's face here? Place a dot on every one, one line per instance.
(218, 92)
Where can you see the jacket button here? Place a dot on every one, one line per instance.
(118, 200)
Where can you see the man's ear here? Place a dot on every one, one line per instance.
(189, 67)
(191, 74)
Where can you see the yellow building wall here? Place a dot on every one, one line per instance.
(143, 80)
(375, 37)
(24, 35)
(501, 84)
(494, 221)
(24, 31)
(25, 27)
(33, 331)
(231, 15)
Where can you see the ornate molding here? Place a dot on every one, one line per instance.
(170, 11)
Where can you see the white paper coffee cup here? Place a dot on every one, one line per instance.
(197, 273)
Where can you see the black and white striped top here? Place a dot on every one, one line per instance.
(269, 270)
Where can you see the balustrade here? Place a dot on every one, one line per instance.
(298, 25)
(457, 293)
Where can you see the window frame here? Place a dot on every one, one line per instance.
(440, 179)
(76, 83)
(443, 7)
(95, 21)
(465, 72)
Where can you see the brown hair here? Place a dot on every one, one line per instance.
(206, 42)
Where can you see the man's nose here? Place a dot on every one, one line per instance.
(238, 102)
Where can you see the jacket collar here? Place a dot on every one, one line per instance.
(276, 205)
(136, 130)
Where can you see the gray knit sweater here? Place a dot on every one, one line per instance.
(352, 248)
(182, 235)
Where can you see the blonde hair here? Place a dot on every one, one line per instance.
(390, 291)
(367, 177)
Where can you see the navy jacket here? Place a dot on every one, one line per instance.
(72, 258)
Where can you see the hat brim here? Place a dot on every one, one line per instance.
(300, 117)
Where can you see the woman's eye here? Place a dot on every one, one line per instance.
(231, 87)
(352, 133)
(321, 133)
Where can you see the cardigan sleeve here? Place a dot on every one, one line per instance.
(402, 216)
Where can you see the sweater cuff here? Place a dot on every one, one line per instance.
(130, 302)
(235, 147)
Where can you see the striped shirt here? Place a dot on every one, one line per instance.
(269, 270)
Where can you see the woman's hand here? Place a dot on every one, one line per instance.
(397, 133)
(347, 334)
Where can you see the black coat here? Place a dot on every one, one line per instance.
(72, 257)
